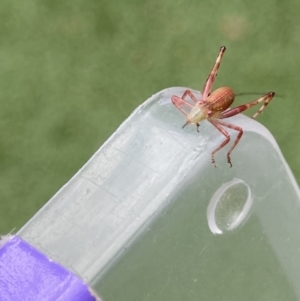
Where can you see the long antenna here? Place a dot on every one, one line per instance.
(255, 93)
(185, 124)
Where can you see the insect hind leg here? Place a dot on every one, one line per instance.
(234, 111)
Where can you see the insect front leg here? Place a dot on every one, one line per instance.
(180, 103)
(190, 94)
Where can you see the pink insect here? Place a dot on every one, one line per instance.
(215, 106)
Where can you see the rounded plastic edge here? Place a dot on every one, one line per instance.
(25, 271)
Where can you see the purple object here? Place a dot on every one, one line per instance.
(26, 274)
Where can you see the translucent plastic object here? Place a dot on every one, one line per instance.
(150, 218)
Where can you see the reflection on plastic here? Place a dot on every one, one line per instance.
(229, 206)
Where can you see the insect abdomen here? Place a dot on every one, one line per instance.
(220, 99)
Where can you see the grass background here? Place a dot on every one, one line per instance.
(71, 71)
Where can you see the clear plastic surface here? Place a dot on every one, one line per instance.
(150, 218)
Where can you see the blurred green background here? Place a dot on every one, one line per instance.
(71, 71)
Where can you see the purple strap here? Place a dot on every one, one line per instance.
(27, 274)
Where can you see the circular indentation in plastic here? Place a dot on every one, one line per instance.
(229, 206)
